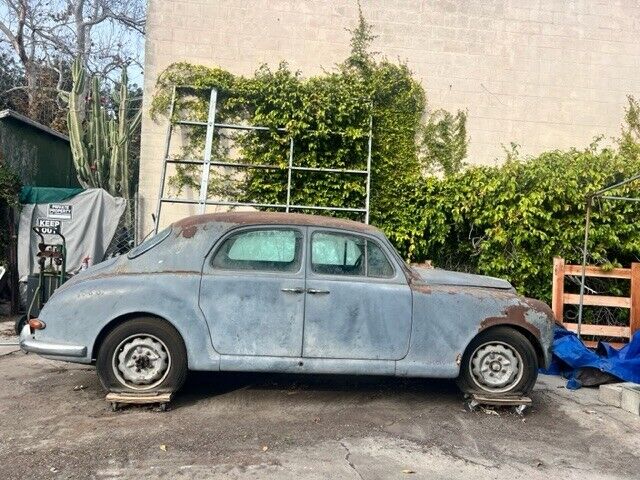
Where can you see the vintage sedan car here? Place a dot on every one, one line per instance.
(276, 292)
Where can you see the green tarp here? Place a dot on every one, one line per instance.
(34, 195)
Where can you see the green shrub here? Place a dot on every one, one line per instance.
(510, 221)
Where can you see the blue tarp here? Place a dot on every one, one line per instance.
(570, 355)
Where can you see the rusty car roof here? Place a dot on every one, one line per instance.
(274, 218)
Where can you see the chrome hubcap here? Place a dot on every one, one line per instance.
(496, 367)
(141, 362)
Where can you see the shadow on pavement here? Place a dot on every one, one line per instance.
(201, 385)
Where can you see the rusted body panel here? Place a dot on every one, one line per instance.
(416, 323)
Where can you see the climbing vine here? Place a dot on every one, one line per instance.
(328, 116)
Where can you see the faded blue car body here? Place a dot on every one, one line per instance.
(417, 322)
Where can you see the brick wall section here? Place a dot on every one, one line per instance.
(542, 73)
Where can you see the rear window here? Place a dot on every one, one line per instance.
(149, 243)
(275, 250)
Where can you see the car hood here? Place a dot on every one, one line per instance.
(435, 276)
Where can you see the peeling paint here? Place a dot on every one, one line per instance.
(513, 315)
(188, 231)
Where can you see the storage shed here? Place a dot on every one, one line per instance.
(39, 155)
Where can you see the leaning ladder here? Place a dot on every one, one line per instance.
(207, 163)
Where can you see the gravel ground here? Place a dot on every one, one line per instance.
(55, 423)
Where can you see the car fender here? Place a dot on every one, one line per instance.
(448, 318)
(79, 313)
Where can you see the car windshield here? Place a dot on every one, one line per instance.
(149, 243)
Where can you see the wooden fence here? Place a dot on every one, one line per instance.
(560, 299)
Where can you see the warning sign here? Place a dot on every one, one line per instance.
(47, 226)
(60, 211)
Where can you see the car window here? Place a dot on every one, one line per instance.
(347, 254)
(275, 250)
(378, 264)
(337, 254)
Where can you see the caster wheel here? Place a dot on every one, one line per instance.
(520, 409)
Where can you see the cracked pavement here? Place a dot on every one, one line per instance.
(239, 426)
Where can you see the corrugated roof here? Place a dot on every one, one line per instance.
(21, 118)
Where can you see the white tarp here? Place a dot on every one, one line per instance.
(88, 222)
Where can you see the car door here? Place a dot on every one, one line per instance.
(252, 292)
(358, 303)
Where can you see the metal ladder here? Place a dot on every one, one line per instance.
(207, 163)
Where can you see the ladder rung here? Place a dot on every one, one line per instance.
(329, 170)
(268, 167)
(333, 209)
(246, 165)
(247, 127)
(185, 162)
(190, 122)
(245, 204)
(179, 200)
(231, 126)
(264, 205)
(225, 164)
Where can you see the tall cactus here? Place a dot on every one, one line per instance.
(99, 142)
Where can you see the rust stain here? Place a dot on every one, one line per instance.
(272, 218)
(513, 315)
(188, 231)
(420, 287)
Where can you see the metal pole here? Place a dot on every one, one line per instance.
(584, 261)
(208, 146)
(366, 215)
(289, 175)
(164, 160)
(136, 215)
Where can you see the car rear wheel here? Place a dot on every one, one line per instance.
(143, 355)
(499, 362)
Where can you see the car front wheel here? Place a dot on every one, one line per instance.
(143, 355)
(499, 362)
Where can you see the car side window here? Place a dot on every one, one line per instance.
(275, 250)
(346, 254)
(337, 254)
(378, 264)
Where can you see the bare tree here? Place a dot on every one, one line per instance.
(49, 34)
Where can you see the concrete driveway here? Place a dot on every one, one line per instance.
(54, 423)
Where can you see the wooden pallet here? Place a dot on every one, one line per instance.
(118, 399)
(631, 303)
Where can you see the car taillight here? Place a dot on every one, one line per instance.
(36, 324)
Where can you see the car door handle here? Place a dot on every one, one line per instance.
(293, 290)
(314, 291)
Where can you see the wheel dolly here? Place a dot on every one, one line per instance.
(519, 403)
(117, 399)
